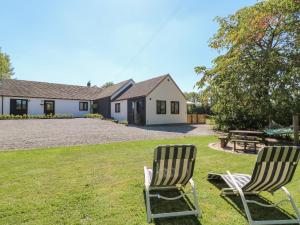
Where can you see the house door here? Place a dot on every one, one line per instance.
(49, 107)
(138, 108)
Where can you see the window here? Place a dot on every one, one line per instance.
(49, 107)
(161, 107)
(83, 106)
(117, 107)
(18, 106)
(174, 107)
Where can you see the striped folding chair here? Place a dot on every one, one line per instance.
(173, 167)
(274, 168)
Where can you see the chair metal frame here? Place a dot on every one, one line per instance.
(148, 188)
(236, 190)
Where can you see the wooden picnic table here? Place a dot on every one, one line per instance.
(247, 132)
(246, 137)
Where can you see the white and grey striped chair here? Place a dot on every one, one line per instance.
(173, 167)
(274, 168)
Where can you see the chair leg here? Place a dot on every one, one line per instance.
(248, 214)
(195, 194)
(148, 204)
(147, 188)
(194, 212)
(247, 211)
(292, 203)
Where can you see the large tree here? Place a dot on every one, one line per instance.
(256, 77)
(107, 84)
(192, 97)
(6, 69)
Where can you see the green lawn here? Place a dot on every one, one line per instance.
(103, 184)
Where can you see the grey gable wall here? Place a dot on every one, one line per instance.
(122, 92)
(103, 107)
(104, 104)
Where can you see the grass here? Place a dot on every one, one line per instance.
(103, 184)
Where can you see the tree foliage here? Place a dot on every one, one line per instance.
(6, 70)
(201, 103)
(256, 76)
(192, 97)
(107, 84)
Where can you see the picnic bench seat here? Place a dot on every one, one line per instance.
(246, 142)
(271, 141)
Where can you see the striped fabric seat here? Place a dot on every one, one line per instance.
(241, 179)
(173, 164)
(275, 167)
(173, 168)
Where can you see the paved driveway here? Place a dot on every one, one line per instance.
(26, 134)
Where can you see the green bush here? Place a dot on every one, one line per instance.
(95, 116)
(124, 122)
(22, 117)
(112, 120)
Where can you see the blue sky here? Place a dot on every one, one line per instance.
(72, 41)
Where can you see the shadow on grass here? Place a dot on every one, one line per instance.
(164, 206)
(257, 212)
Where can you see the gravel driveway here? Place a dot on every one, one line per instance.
(26, 134)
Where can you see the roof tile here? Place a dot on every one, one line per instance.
(142, 88)
(34, 89)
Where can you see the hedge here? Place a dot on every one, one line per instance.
(95, 116)
(22, 117)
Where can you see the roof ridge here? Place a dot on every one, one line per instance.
(153, 78)
(43, 82)
(124, 81)
(36, 89)
(143, 88)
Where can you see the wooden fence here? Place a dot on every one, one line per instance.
(196, 118)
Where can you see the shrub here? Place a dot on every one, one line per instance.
(95, 116)
(112, 120)
(124, 122)
(61, 116)
(22, 117)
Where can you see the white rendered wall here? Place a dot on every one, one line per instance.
(70, 107)
(36, 106)
(122, 115)
(0, 105)
(165, 91)
(6, 105)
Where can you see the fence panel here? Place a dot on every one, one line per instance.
(196, 118)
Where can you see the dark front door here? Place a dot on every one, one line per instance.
(49, 107)
(18, 106)
(137, 111)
